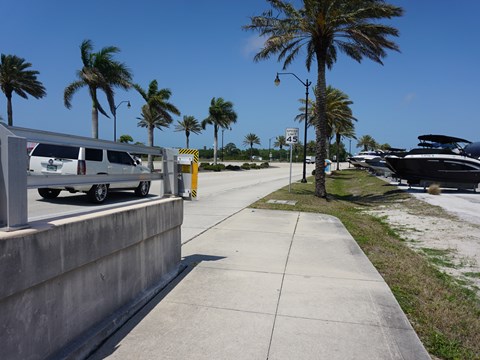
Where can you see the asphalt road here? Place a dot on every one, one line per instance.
(209, 183)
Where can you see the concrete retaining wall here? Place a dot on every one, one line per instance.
(67, 284)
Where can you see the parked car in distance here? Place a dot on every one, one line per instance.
(49, 159)
(310, 159)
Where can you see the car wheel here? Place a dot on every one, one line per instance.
(98, 193)
(47, 193)
(143, 188)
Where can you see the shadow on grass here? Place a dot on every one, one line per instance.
(371, 199)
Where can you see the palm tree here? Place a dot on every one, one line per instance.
(280, 142)
(220, 115)
(15, 78)
(339, 116)
(158, 100)
(151, 119)
(99, 72)
(367, 142)
(190, 125)
(338, 112)
(346, 129)
(251, 139)
(325, 27)
(156, 111)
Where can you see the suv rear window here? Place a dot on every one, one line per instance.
(56, 151)
(93, 154)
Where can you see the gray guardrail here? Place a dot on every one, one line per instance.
(15, 180)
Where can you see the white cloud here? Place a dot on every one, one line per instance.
(253, 44)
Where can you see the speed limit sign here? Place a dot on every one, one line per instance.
(291, 135)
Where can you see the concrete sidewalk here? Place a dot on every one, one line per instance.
(268, 284)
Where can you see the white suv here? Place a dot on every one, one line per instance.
(48, 159)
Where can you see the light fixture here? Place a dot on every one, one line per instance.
(277, 81)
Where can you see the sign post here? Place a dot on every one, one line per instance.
(291, 138)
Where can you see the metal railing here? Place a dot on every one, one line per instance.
(15, 179)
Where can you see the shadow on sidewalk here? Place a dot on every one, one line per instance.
(111, 344)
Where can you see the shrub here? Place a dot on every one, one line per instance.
(264, 165)
(218, 167)
(207, 166)
(254, 166)
(245, 166)
(233, 167)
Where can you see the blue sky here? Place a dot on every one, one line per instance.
(199, 51)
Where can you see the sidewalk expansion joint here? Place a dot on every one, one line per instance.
(380, 326)
(281, 287)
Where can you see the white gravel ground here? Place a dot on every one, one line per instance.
(456, 236)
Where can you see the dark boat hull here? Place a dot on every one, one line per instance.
(422, 169)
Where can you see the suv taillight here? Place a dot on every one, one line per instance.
(81, 167)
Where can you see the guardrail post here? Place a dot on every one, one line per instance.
(13, 181)
(170, 172)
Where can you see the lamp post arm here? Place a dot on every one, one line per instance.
(304, 84)
(120, 103)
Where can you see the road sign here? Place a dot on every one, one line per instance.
(291, 136)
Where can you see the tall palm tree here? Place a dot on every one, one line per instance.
(158, 99)
(156, 111)
(346, 129)
(325, 27)
(151, 119)
(99, 72)
(190, 125)
(338, 112)
(220, 115)
(16, 78)
(251, 139)
(339, 115)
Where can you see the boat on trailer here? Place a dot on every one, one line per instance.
(441, 160)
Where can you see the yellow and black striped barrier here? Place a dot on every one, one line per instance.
(188, 161)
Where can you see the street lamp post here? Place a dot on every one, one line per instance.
(115, 118)
(307, 85)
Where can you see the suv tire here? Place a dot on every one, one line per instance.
(143, 189)
(47, 193)
(98, 193)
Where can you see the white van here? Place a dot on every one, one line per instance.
(49, 159)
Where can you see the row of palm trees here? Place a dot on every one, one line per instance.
(100, 72)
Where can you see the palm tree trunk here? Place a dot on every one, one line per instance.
(150, 143)
(94, 122)
(338, 136)
(9, 110)
(321, 128)
(187, 134)
(215, 143)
